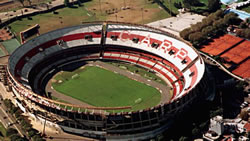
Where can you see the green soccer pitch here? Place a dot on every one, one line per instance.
(103, 88)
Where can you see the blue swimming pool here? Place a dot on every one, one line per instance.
(242, 14)
(227, 2)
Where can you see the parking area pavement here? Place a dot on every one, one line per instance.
(176, 24)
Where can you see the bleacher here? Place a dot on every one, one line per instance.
(176, 62)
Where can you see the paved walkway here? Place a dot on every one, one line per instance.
(165, 90)
(176, 24)
(11, 14)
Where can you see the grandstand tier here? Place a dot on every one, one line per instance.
(34, 63)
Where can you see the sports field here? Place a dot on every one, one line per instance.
(139, 11)
(11, 45)
(103, 88)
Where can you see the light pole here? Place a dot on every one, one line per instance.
(142, 15)
(100, 6)
(44, 125)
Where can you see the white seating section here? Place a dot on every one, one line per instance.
(170, 57)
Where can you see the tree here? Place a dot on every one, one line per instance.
(11, 131)
(197, 27)
(207, 21)
(195, 132)
(32, 132)
(219, 24)
(246, 33)
(66, 3)
(219, 13)
(232, 18)
(13, 110)
(207, 30)
(239, 32)
(37, 138)
(185, 33)
(213, 5)
(178, 5)
(187, 4)
(18, 113)
(16, 137)
(7, 103)
(196, 37)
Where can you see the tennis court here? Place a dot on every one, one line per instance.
(238, 53)
(234, 50)
(243, 69)
(221, 44)
(11, 45)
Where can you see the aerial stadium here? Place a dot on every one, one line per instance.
(33, 64)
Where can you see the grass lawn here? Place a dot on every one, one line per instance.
(11, 45)
(2, 53)
(100, 87)
(141, 71)
(170, 5)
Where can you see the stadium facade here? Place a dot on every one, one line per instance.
(33, 64)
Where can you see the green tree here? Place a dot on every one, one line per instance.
(197, 27)
(219, 24)
(219, 13)
(207, 21)
(207, 30)
(8, 103)
(185, 33)
(246, 33)
(231, 18)
(66, 3)
(187, 4)
(196, 132)
(11, 131)
(32, 132)
(18, 113)
(196, 37)
(16, 137)
(213, 5)
(37, 138)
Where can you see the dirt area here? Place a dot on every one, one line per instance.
(136, 11)
(133, 11)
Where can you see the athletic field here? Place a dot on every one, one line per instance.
(103, 88)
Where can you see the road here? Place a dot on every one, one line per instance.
(9, 121)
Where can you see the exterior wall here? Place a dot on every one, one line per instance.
(30, 58)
